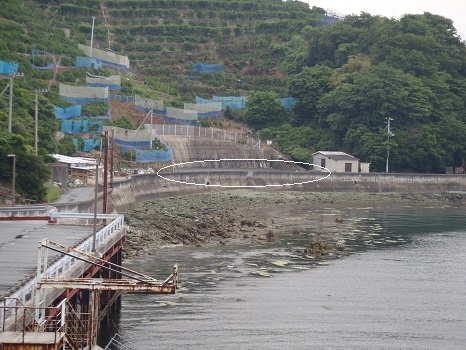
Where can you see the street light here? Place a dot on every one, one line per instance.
(389, 134)
(37, 116)
(14, 179)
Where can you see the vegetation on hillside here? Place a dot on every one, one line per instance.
(348, 76)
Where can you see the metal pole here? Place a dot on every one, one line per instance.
(36, 119)
(105, 176)
(112, 155)
(10, 109)
(95, 202)
(36, 133)
(92, 37)
(13, 190)
(388, 143)
(151, 138)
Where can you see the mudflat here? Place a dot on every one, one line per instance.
(215, 217)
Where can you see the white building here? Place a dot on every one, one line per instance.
(336, 162)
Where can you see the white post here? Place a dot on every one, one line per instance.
(151, 137)
(92, 37)
(41, 273)
(388, 142)
(199, 129)
(175, 129)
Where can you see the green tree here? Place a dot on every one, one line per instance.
(307, 87)
(264, 110)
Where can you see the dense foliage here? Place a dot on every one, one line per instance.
(348, 76)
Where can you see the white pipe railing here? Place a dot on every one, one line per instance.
(59, 267)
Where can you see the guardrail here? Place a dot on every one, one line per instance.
(27, 211)
(58, 268)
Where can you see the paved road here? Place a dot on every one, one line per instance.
(76, 195)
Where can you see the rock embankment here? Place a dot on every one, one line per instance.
(204, 218)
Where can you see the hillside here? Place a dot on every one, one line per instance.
(348, 77)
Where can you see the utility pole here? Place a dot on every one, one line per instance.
(37, 117)
(389, 134)
(13, 187)
(10, 109)
(97, 162)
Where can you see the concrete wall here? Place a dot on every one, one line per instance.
(144, 187)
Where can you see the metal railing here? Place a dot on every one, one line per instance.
(26, 211)
(244, 138)
(62, 320)
(117, 343)
(58, 268)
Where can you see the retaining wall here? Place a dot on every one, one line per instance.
(144, 187)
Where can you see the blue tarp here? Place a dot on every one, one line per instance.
(87, 62)
(90, 144)
(240, 102)
(202, 100)
(66, 126)
(233, 102)
(80, 126)
(8, 67)
(110, 87)
(207, 68)
(179, 121)
(132, 144)
(145, 156)
(68, 113)
(83, 100)
(288, 102)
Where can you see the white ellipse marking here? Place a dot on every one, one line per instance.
(245, 169)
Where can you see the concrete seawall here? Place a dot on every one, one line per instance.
(144, 187)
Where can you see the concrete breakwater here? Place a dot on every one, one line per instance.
(146, 186)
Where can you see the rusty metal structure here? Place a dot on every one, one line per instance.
(71, 320)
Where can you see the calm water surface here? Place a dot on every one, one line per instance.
(404, 287)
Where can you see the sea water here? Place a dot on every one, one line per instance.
(402, 287)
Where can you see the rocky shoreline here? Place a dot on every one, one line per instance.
(217, 217)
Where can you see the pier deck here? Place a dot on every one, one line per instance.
(18, 247)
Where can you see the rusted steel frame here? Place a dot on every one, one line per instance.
(109, 284)
(21, 317)
(112, 300)
(95, 264)
(68, 294)
(68, 249)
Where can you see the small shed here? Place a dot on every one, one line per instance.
(338, 162)
(79, 168)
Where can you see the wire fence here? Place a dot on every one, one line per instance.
(244, 138)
